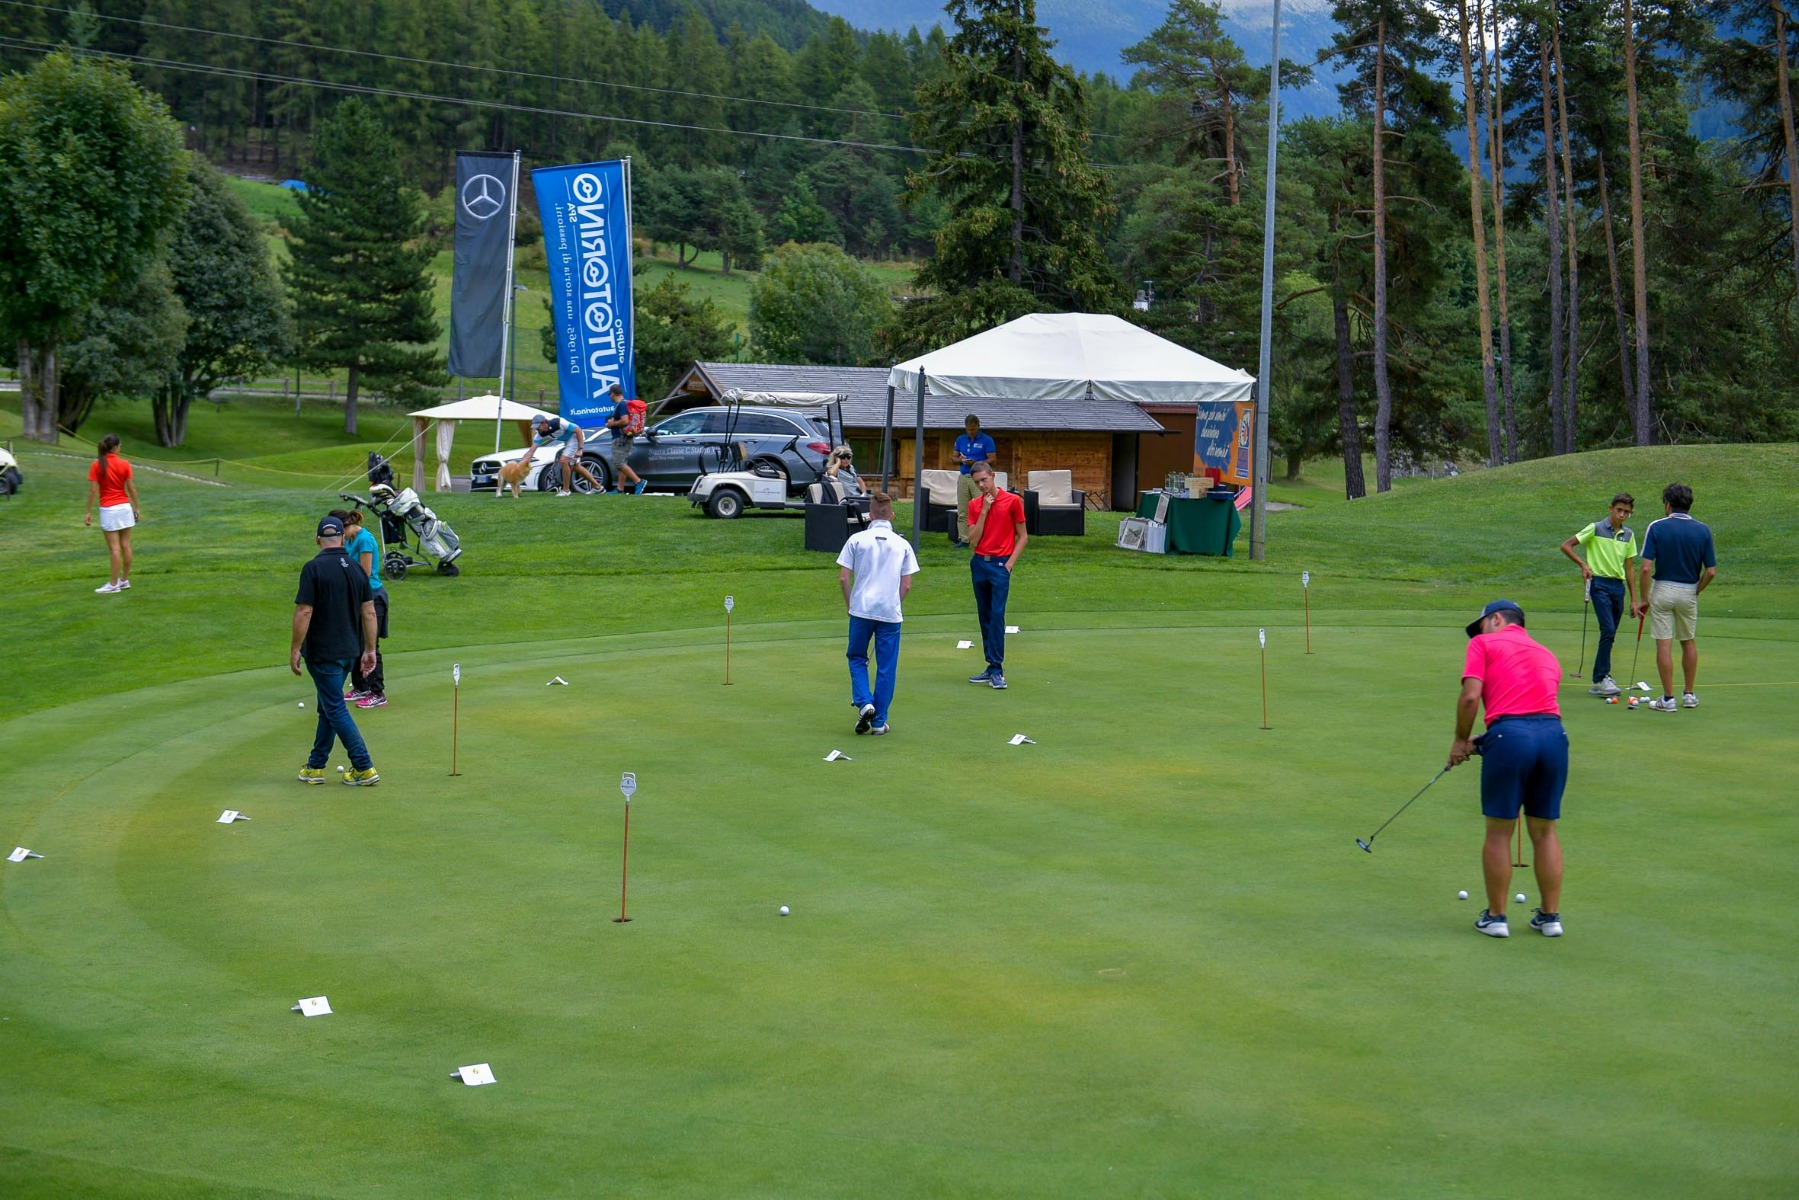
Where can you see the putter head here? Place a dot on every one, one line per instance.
(1365, 846)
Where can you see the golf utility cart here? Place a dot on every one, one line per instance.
(738, 485)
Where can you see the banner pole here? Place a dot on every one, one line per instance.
(506, 327)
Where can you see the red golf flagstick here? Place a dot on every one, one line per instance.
(626, 784)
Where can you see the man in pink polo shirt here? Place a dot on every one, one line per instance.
(1524, 757)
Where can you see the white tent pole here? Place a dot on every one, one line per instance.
(1258, 500)
(506, 329)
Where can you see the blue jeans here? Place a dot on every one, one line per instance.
(992, 582)
(1608, 606)
(886, 635)
(334, 716)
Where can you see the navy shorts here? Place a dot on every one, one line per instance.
(1524, 764)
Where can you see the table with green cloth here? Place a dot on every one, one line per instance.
(1196, 524)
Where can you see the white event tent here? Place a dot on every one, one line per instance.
(475, 408)
(1063, 356)
(1071, 356)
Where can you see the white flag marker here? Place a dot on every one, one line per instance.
(455, 674)
(837, 756)
(20, 854)
(730, 603)
(1262, 636)
(313, 1006)
(965, 645)
(230, 815)
(1305, 579)
(474, 1076)
(1018, 739)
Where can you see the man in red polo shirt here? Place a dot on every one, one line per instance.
(996, 530)
(1524, 757)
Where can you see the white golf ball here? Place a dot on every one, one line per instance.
(784, 910)
(302, 704)
(1461, 895)
(340, 768)
(1521, 897)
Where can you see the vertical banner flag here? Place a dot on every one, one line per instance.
(484, 200)
(586, 211)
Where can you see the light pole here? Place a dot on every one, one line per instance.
(1258, 501)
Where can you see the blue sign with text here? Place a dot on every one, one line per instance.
(586, 211)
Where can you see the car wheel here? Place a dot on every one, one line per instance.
(726, 503)
(600, 472)
(547, 477)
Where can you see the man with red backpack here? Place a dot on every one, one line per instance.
(626, 422)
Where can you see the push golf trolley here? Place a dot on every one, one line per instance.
(407, 526)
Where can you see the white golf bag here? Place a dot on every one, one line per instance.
(402, 512)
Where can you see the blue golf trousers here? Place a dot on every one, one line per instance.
(992, 582)
(1608, 607)
(886, 636)
(335, 721)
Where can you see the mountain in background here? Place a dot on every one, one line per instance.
(1091, 34)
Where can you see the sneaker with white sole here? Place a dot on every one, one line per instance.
(1492, 926)
(997, 682)
(983, 677)
(372, 700)
(565, 493)
(1689, 700)
(124, 585)
(865, 717)
(107, 589)
(1547, 924)
(879, 730)
(312, 775)
(1665, 704)
(360, 778)
(1605, 687)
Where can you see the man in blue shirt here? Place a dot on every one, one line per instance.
(368, 689)
(565, 436)
(1679, 550)
(971, 448)
(620, 425)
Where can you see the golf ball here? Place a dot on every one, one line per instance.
(784, 910)
(1521, 897)
(1461, 895)
(340, 768)
(1611, 699)
(302, 704)
(1633, 702)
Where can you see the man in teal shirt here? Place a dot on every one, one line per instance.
(368, 689)
(1609, 545)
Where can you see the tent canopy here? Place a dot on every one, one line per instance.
(1071, 356)
(479, 408)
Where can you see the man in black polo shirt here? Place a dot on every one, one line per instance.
(334, 625)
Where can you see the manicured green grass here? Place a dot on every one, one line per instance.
(1141, 957)
(270, 203)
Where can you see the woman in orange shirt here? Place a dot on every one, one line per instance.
(109, 481)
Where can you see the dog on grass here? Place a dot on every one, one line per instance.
(512, 474)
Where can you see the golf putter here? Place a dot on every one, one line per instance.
(1586, 606)
(1639, 649)
(1367, 844)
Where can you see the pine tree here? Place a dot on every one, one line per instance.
(361, 290)
(1005, 125)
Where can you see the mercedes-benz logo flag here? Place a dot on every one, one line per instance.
(484, 206)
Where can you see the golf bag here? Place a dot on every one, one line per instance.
(407, 526)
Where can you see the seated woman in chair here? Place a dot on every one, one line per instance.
(839, 469)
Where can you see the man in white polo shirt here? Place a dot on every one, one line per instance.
(877, 568)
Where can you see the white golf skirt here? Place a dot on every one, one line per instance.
(115, 517)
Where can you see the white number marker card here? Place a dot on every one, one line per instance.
(474, 1076)
(1011, 629)
(965, 645)
(230, 815)
(1018, 739)
(313, 1006)
(838, 756)
(20, 854)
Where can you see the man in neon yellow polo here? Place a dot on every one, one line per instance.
(1609, 545)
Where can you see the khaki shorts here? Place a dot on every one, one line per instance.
(1673, 611)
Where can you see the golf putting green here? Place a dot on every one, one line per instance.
(1140, 957)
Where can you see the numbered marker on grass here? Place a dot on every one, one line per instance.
(1011, 629)
(1018, 739)
(313, 1006)
(838, 756)
(730, 603)
(627, 783)
(20, 854)
(474, 1076)
(231, 814)
(965, 645)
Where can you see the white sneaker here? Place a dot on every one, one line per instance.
(1670, 704)
(1689, 700)
(565, 493)
(124, 585)
(107, 589)
(1605, 687)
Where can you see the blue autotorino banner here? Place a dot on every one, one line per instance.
(586, 211)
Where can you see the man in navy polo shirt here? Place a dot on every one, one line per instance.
(971, 448)
(1679, 550)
